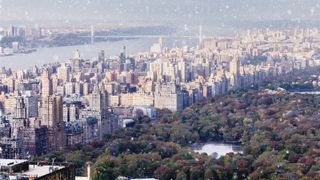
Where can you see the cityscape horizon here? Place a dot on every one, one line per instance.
(146, 90)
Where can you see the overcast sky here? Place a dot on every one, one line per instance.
(158, 11)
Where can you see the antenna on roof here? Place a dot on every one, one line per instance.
(53, 159)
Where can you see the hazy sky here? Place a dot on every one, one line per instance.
(158, 11)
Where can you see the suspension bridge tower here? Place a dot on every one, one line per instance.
(92, 34)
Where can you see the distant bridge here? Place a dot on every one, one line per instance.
(93, 36)
(145, 36)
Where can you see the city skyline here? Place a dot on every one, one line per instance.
(179, 89)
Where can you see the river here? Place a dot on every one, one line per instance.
(62, 54)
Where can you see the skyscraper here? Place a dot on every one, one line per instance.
(64, 73)
(200, 36)
(101, 55)
(235, 72)
(123, 55)
(31, 103)
(235, 66)
(51, 112)
(76, 61)
(21, 110)
(46, 83)
(98, 100)
(52, 117)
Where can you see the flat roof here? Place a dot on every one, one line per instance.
(11, 162)
(33, 171)
(39, 171)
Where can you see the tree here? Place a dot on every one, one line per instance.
(105, 170)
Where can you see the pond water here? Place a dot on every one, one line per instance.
(308, 92)
(217, 149)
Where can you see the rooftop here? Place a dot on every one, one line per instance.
(11, 162)
(22, 168)
(39, 171)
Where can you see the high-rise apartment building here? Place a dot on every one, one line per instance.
(46, 83)
(52, 117)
